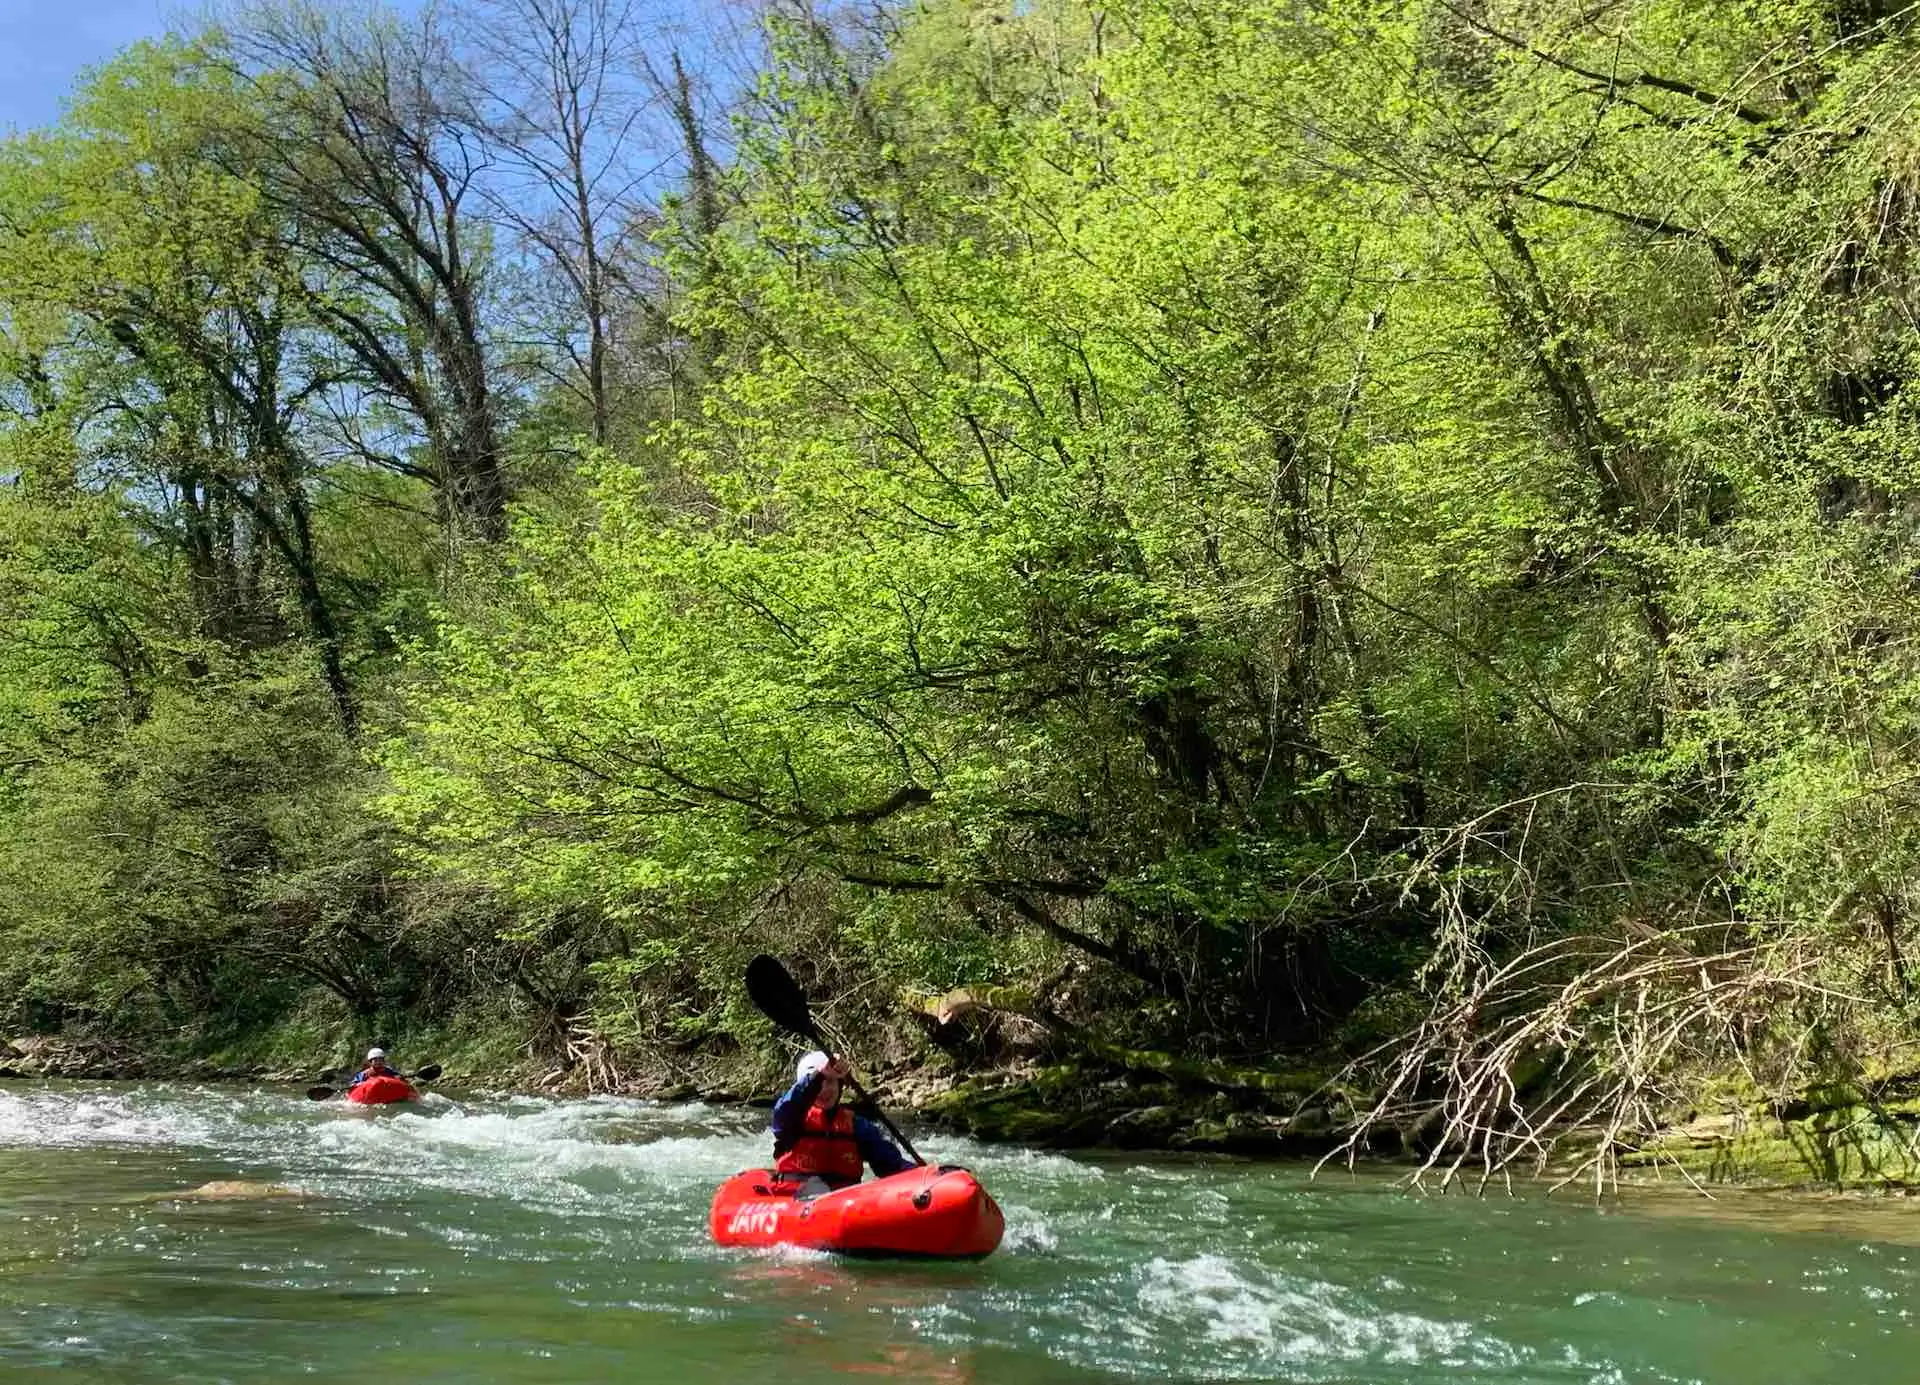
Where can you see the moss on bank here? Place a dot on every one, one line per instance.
(1860, 1135)
(1840, 1137)
(1076, 1104)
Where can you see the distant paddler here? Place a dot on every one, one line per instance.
(377, 1066)
(379, 1083)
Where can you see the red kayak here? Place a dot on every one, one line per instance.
(942, 1213)
(383, 1090)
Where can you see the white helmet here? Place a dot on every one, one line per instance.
(373, 1053)
(811, 1063)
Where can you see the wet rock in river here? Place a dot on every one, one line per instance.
(230, 1190)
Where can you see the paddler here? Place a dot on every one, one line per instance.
(815, 1137)
(376, 1067)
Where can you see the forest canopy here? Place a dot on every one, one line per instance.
(1269, 531)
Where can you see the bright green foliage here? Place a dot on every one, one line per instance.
(1263, 508)
(187, 593)
(1211, 488)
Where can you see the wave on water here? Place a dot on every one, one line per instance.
(524, 1142)
(62, 1118)
(1028, 1232)
(1265, 1317)
(1267, 1323)
(561, 1154)
(1028, 1165)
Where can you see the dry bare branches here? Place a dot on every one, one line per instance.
(1586, 1036)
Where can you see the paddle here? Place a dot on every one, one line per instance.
(780, 999)
(321, 1093)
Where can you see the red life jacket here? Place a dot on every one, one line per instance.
(827, 1147)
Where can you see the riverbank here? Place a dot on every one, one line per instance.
(1854, 1137)
(1122, 1103)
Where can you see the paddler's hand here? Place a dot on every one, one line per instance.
(839, 1069)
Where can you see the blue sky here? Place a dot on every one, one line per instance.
(45, 44)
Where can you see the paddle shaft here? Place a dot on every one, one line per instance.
(892, 1129)
(772, 988)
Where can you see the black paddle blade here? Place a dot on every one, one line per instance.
(428, 1073)
(779, 997)
(319, 1093)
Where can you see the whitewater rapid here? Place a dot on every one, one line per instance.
(512, 1226)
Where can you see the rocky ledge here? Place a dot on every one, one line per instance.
(40, 1056)
(1075, 1105)
(1851, 1135)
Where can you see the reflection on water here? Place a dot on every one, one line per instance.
(1889, 1218)
(146, 1235)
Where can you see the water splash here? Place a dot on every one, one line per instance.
(1265, 1319)
(56, 1118)
(533, 1229)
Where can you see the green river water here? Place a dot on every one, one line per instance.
(516, 1239)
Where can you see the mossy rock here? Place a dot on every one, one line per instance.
(1149, 1127)
(1060, 1106)
(1241, 1132)
(1298, 1083)
(1855, 1145)
(1026, 1112)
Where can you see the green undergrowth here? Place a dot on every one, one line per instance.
(481, 1046)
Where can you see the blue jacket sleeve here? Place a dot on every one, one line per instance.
(790, 1110)
(358, 1078)
(877, 1149)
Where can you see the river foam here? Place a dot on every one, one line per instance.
(55, 1118)
(527, 1225)
(607, 1153)
(1260, 1318)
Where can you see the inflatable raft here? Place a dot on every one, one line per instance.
(383, 1090)
(939, 1213)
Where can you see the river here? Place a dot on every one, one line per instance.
(519, 1239)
